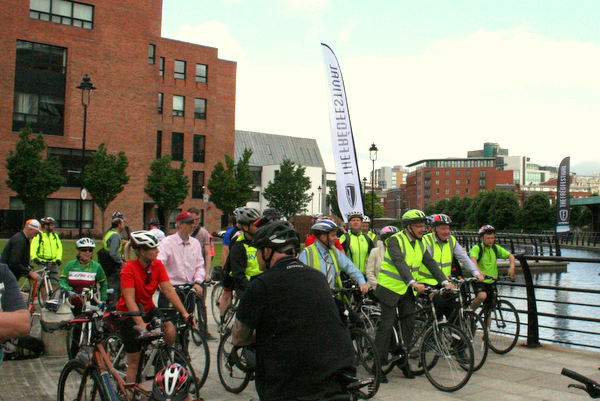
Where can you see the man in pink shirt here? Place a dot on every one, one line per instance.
(182, 256)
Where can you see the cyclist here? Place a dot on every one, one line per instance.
(82, 273)
(366, 223)
(154, 228)
(46, 248)
(312, 238)
(323, 256)
(230, 236)
(376, 256)
(126, 231)
(139, 280)
(403, 257)
(112, 261)
(288, 313)
(357, 244)
(241, 265)
(444, 249)
(485, 256)
(16, 252)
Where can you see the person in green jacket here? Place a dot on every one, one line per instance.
(82, 273)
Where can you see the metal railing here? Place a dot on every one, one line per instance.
(533, 315)
(529, 244)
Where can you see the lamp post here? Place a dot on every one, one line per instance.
(312, 203)
(373, 156)
(86, 88)
(364, 188)
(320, 206)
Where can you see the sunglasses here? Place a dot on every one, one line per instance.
(86, 250)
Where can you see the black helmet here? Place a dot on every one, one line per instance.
(46, 221)
(153, 222)
(276, 235)
(271, 213)
(118, 215)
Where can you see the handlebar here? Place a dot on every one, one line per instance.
(590, 386)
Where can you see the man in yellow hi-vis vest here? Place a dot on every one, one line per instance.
(403, 257)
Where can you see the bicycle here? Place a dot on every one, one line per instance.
(95, 377)
(235, 372)
(33, 289)
(503, 323)
(215, 296)
(80, 331)
(48, 287)
(589, 386)
(441, 350)
(196, 306)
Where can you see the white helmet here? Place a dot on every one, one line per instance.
(85, 243)
(366, 219)
(143, 239)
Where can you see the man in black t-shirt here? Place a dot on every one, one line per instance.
(289, 314)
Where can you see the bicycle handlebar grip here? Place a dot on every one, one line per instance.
(577, 376)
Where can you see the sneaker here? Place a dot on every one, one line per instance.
(383, 378)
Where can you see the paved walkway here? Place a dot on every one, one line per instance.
(523, 374)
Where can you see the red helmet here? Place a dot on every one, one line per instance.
(486, 229)
(439, 219)
(171, 383)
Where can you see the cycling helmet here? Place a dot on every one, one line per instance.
(47, 221)
(324, 226)
(316, 216)
(153, 222)
(326, 218)
(353, 214)
(366, 219)
(387, 232)
(276, 235)
(171, 383)
(118, 215)
(246, 215)
(85, 243)
(143, 239)
(271, 213)
(486, 229)
(413, 216)
(439, 219)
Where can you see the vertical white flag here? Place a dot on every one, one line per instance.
(342, 140)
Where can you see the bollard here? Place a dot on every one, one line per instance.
(55, 344)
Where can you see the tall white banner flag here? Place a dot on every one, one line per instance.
(342, 140)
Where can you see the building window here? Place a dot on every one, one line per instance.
(158, 144)
(482, 174)
(160, 103)
(177, 146)
(447, 182)
(457, 182)
(468, 172)
(256, 171)
(447, 172)
(437, 182)
(457, 191)
(63, 12)
(199, 148)
(39, 91)
(178, 105)
(201, 73)
(482, 183)
(161, 67)
(179, 69)
(437, 191)
(197, 184)
(467, 190)
(200, 108)
(151, 54)
(70, 160)
(255, 196)
(447, 192)
(457, 173)
(66, 213)
(437, 172)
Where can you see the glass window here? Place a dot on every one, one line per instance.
(160, 103)
(70, 160)
(256, 171)
(197, 184)
(178, 105)
(255, 196)
(151, 54)
(158, 144)
(200, 108)
(468, 172)
(177, 146)
(199, 148)
(201, 73)
(161, 66)
(63, 12)
(66, 213)
(179, 69)
(457, 182)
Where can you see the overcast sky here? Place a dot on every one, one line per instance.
(424, 79)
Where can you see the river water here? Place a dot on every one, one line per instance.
(579, 275)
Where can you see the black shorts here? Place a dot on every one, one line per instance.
(488, 288)
(129, 334)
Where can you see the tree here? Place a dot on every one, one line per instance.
(505, 210)
(105, 177)
(332, 200)
(287, 191)
(537, 213)
(167, 186)
(29, 175)
(379, 209)
(231, 187)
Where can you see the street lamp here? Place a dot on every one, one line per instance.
(312, 203)
(86, 88)
(320, 206)
(364, 188)
(373, 156)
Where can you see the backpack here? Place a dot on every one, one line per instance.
(108, 264)
(494, 247)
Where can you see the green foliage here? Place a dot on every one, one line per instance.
(105, 177)
(29, 175)
(537, 213)
(379, 209)
(332, 200)
(457, 208)
(287, 191)
(166, 185)
(231, 187)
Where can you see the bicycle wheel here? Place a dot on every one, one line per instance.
(196, 347)
(165, 356)
(369, 316)
(215, 295)
(447, 357)
(415, 366)
(74, 378)
(473, 326)
(113, 345)
(45, 294)
(198, 334)
(503, 326)
(78, 338)
(232, 376)
(367, 360)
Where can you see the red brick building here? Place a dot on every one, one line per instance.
(432, 180)
(154, 96)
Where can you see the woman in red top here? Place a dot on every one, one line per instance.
(139, 280)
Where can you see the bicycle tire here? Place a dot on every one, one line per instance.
(42, 293)
(198, 353)
(476, 330)
(504, 327)
(232, 377)
(200, 321)
(447, 357)
(167, 355)
(74, 377)
(215, 295)
(76, 343)
(366, 360)
(415, 366)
